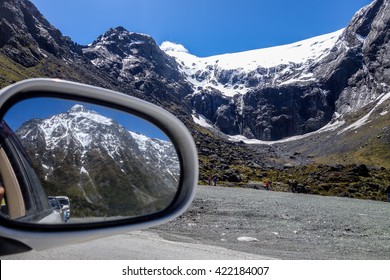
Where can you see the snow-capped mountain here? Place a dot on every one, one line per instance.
(101, 161)
(238, 73)
(126, 54)
(284, 91)
(136, 60)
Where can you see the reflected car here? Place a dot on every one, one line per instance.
(55, 204)
(65, 206)
(61, 204)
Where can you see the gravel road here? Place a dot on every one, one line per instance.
(284, 225)
(235, 223)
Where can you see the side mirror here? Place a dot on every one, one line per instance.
(75, 157)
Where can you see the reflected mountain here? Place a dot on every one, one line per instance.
(103, 168)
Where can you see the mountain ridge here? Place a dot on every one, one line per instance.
(254, 63)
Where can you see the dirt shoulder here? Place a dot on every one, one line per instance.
(284, 225)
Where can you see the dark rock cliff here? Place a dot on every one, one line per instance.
(25, 35)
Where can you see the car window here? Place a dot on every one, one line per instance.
(32, 201)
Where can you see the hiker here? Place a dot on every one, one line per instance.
(215, 180)
(388, 193)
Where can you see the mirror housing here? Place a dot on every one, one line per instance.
(41, 236)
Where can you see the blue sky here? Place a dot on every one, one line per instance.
(204, 27)
(43, 108)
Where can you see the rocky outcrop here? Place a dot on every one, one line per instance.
(357, 72)
(127, 54)
(137, 61)
(26, 36)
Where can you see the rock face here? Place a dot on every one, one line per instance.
(25, 34)
(135, 59)
(367, 39)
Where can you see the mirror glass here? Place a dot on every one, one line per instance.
(64, 161)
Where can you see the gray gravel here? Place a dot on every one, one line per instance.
(136, 245)
(284, 225)
(234, 223)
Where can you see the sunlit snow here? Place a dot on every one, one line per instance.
(289, 58)
(365, 119)
(201, 121)
(331, 126)
(172, 47)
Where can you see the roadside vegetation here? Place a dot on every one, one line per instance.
(354, 181)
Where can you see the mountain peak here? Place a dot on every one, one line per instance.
(79, 111)
(120, 29)
(131, 57)
(77, 108)
(120, 35)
